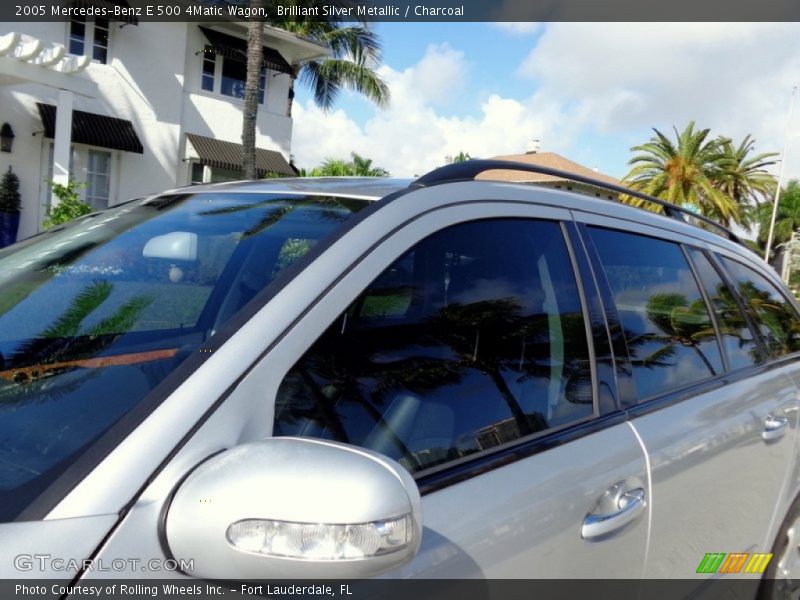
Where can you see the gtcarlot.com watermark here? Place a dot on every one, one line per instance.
(47, 562)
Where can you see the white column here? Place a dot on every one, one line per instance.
(786, 267)
(63, 140)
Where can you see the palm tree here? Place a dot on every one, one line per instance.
(255, 58)
(462, 157)
(357, 167)
(355, 54)
(744, 178)
(684, 172)
(787, 221)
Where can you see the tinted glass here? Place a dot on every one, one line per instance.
(234, 78)
(94, 315)
(768, 307)
(668, 330)
(472, 339)
(736, 335)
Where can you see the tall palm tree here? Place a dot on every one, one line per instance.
(255, 59)
(787, 221)
(355, 55)
(744, 178)
(683, 172)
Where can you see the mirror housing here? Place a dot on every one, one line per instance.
(177, 245)
(297, 508)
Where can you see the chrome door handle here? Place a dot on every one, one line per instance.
(774, 428)
(631, 504)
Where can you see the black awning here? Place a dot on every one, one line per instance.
(126, 15)
(94, 130)
(228, 155)
(236, 49)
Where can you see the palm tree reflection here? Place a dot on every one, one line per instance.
(435, 357)
(66, 341)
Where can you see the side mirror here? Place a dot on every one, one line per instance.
(297, 508)
(178, 245)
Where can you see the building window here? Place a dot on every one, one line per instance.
(198, 171)
(205, 174)
(77, 36)
(100, 44)
(209, 64)
(94, 35)
(234, 77)
(98, 178)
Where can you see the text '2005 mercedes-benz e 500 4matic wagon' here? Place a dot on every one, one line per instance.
(349, 378)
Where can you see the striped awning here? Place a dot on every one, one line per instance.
(94, 130)
(228, 155)
(236, 49)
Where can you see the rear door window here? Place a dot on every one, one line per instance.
(772, 313)
(667, 326)
(737, 338)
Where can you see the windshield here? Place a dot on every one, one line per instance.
(94, 315)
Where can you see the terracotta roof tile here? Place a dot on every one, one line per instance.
(543, 159)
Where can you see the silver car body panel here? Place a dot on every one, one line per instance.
(50, 549)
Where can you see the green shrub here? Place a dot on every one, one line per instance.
(9, 192)
(70, 206)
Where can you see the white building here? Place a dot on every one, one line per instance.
(132, 108)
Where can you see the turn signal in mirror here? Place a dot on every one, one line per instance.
(319, 541)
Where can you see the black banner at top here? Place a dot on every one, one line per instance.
(277, 11)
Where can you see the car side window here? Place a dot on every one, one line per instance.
(772, 313)
(667, 326)
(472, 339)
(737, 338)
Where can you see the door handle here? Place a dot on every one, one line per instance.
(630, 505)
(774, 428)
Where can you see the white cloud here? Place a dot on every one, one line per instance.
(441, 73)
(612, 80)
(415, 134)
(732, 77)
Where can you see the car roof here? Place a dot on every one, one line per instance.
(368, 188)
(376, 188)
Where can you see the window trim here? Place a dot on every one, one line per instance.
(726, 367)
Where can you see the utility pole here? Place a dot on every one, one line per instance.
(780, 176)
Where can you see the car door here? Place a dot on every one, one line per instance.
(458, 345)
(717, 423)
(467, 360)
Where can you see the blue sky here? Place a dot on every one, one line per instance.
(587, 91)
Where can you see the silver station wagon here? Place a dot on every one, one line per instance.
(350, 378)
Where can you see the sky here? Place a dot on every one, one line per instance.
(589, 91)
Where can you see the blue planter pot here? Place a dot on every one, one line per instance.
(9, 224)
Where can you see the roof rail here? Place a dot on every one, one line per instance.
(468, 170)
